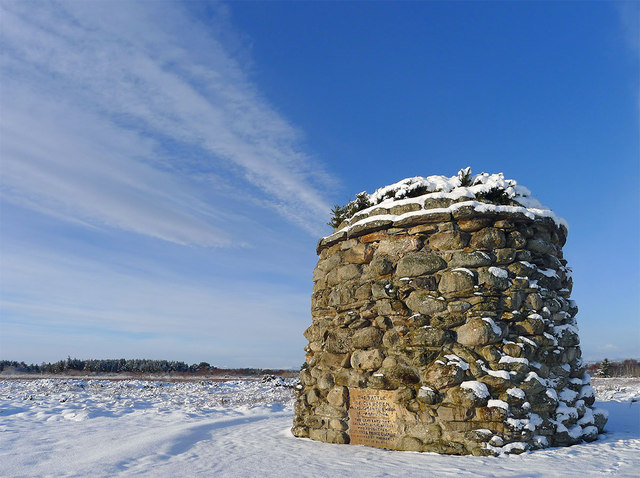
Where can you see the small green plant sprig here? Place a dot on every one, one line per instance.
(341, 213)
(464, 176)
(495, 196)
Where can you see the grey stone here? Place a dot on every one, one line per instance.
(449, 240)
(340, 296)
(336, 424)
(478, 332)
(367, 359)
(379, 266)
(329, 263)
(338, 341)
(394, 246)
(427, 395)
(465, 397)
(350, 378)
(470, 259)
(458, 307)
(368, 227)
(334, 361)
(337, 396)
(600, 420)
(318, 274)
(422, 302)
(336, 436)
(382, 290)
(568, 338)
(516, 240)
(428, 218)
(429, 337)
(506, 255)
(404, 208)
(504, 224)
(419, 263)
(488, 238)
(325, 381)
(457, 282)
(437, 203)
(367, 337)
(440, 375)
(492, 281)
(400, 375)
(521, 269)
(348, 272)
(410, 443)
(318, 434)
(540, 246)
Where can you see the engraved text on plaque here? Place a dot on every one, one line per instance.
(372, 417)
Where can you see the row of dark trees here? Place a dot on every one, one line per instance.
(607, 368)
(106, 366)
(114, 366)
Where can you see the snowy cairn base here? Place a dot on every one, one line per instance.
(442, 322)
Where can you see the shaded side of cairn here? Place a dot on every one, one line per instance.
(465, 315)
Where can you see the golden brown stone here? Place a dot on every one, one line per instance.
(374, 236)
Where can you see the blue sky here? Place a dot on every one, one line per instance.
(167, 168)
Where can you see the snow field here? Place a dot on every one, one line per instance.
(241, 428)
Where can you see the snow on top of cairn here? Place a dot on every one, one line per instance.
(466, 189)
(453, 188)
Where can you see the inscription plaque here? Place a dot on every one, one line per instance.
(373, 417)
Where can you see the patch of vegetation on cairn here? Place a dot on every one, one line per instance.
(495, 195)
(464, 176)
(413, 193)
(342, 213)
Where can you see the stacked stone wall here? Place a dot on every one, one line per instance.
(466, 317)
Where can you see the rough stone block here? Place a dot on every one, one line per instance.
(457, 282)
(419, 263)
(449, 240)
(479, 332)
(488, 238)
(367, 359)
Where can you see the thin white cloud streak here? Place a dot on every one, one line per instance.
(65, 166)
(141, 73)
(629, 15)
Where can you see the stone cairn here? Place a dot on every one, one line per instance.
(442, 322)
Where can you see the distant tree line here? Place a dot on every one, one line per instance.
(114, 366)
(105, 366)
(607, 368)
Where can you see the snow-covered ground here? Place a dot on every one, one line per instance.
(54, 427)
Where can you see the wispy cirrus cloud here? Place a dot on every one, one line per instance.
(629, 15)
(114, 112)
